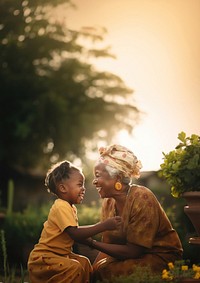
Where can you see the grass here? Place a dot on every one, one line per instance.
(10, 275)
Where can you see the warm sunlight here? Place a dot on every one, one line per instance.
(157, 47)
(144, 144)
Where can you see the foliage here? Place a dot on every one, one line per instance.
(88, 215)
(179, 270)
(4, 253)
(9, 274)
(52, 99)
(141, 274)
(10, 196)
(25, 227)
(181, 166)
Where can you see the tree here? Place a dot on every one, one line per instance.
(52, 98)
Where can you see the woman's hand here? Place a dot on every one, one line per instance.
(87, 242)
(113, 223)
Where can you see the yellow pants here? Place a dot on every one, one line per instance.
(53, 268)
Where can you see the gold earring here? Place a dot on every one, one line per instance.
(118, 186)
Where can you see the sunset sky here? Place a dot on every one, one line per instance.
(157, 44)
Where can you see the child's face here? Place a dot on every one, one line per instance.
(74, 188)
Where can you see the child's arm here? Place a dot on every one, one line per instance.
(84, 232)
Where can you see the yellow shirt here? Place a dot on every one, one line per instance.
(53, 237)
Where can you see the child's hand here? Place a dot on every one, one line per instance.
(113, 223)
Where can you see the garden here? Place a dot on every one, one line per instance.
(56, 103)
(21, 230)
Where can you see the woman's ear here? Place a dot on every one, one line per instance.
(119, 178)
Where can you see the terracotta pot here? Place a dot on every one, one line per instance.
(192, 210)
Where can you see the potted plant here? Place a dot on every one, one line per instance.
(181, 166)
(181, 169)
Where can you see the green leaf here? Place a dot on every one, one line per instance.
(174, 192)
(182, 136)
(193, 162)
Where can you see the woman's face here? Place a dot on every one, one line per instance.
(103, 181)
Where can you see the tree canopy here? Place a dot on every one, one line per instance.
(53, 99)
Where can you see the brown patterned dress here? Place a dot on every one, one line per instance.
(145, 224)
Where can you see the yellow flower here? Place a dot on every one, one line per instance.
(180, 269)
(165, 271)
(197, 275)
(166, 275)
(170, 265)
(184, 267)
(196, 267)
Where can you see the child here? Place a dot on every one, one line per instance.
(52, 259)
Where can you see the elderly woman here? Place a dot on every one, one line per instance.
(147, 236)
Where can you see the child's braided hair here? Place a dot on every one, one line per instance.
(57, 173)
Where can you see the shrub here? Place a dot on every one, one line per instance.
(140, 275)
(181, 166)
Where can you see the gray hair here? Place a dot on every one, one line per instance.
(113, 172)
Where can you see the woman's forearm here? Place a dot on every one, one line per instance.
(119, 251)
(99, 257)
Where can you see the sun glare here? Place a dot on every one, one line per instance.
(156, 45)
(142, 146)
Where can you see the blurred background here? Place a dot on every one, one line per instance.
(76, 75)
(156, 43)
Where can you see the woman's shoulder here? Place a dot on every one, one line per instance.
(134, 188)
(140, 192)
